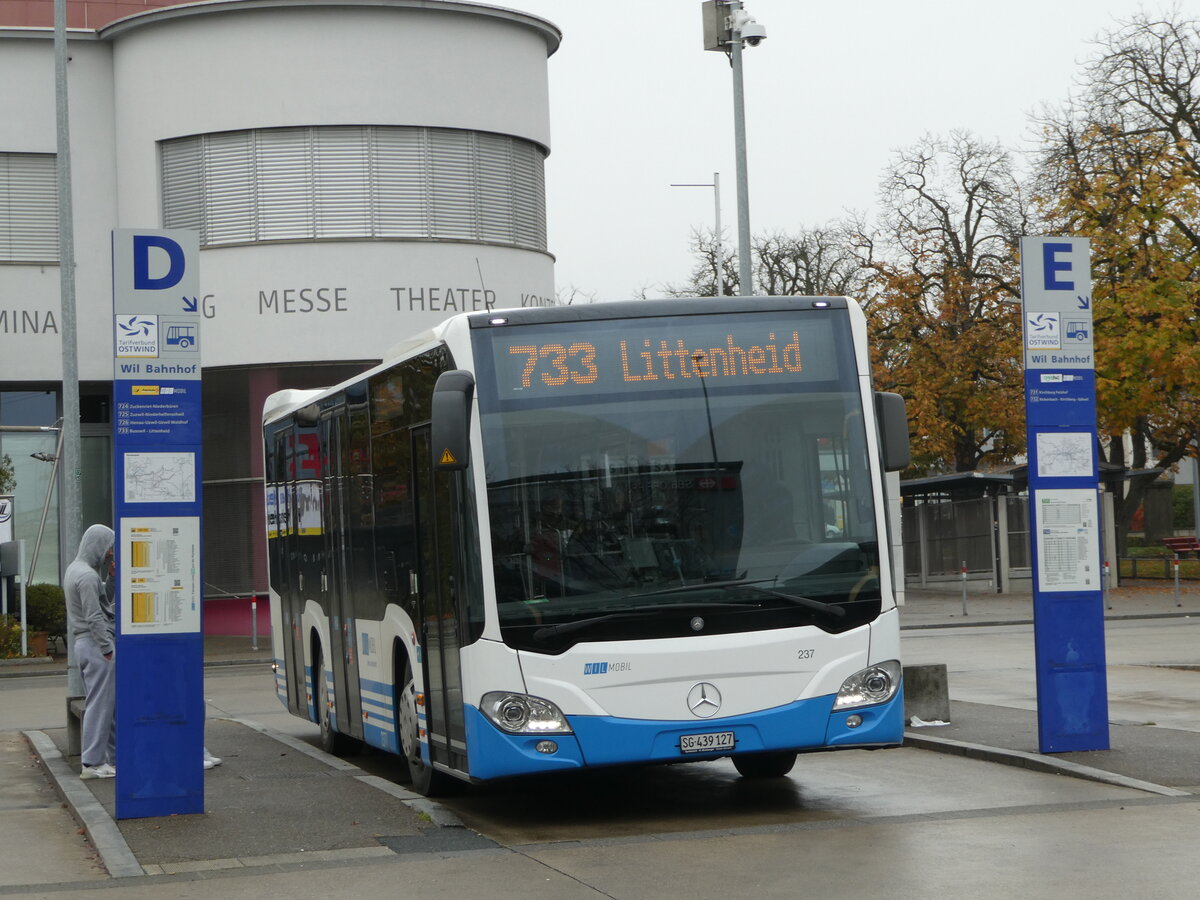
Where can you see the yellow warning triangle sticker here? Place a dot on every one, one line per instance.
(447, 458)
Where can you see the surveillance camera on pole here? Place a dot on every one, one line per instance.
(727, 27)
(725, 22)
(745, 27)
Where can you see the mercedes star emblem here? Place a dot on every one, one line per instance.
(704, 700)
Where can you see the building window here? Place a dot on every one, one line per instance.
(28, 208)
(355, 182)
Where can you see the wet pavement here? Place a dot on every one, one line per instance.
(278, 805)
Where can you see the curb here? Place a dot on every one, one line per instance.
(438, 814)
(101, 830)
(105, 836)
(1036, 762)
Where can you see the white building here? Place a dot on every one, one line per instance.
(357, 170)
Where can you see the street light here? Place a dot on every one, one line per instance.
(726, 27)
(719, 289)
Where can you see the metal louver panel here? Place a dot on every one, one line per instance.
(452, 183)
(496, 219)
(341, 183)
(286, 195)
(347, 182)
(28, 208)
(182, 165)
(529, 200)
(230, 202)
(401, 195)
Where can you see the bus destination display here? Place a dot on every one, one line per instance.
(662, 354)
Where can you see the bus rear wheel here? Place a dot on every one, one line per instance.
(332, 740)
(765, 765)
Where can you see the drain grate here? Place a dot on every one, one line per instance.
(438, 840)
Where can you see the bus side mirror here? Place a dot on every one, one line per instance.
(893, 431)
(450, 431)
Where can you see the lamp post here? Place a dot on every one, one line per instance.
(727, 27)
(69, 462)
(718, 279)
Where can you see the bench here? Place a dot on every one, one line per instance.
(74, 725)
(1178, 545)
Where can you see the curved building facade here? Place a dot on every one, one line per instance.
(357, 170)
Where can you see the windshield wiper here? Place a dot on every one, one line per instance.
(797, 599)
(549, 631)
(699, 586)
(753, 584)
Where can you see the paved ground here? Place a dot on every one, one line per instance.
(260, 801)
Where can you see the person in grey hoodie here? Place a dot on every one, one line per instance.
(93, 630)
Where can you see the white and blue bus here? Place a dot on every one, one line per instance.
(548, 539)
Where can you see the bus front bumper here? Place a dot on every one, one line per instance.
(609, 741)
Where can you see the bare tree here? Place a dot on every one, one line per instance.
(812, 262)
(945, 265)
(570, 295)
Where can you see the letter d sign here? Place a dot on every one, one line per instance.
(143, 244)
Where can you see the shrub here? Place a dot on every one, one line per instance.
(10, 637)
(1182, 508)
(46, 609)
(1155, 551)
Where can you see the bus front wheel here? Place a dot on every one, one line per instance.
(424, 778)
(764, 765)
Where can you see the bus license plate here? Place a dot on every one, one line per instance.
(706, 743)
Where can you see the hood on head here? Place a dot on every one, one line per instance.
(96, 542)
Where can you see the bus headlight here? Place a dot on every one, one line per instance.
(522, 714)
(869, 687)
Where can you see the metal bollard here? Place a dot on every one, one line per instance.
(1178, 599)
(1107, 585)
(254, 623)
(964, 585)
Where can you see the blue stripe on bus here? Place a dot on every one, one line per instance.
(280, 680)
(375, 708)
(608, 741)
(379, 687)
(381, 739)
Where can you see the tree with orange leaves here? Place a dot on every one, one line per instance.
(1123, 169)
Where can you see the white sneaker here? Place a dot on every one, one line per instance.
(211, 762)
(104, 770)
(109, 768)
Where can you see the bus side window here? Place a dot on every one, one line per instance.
(395, 539)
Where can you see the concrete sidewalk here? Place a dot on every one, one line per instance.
(260, 802)
(1159, 760)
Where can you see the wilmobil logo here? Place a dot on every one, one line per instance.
(603, 668)
(137, 336)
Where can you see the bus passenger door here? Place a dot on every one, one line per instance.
(291, 604)
(338, 601)
(438, 609)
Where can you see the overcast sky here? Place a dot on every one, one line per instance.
(636, 104)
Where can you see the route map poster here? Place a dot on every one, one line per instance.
(168, 477)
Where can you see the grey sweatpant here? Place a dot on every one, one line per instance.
(99, 740)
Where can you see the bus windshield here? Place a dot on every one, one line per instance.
(648, 474)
